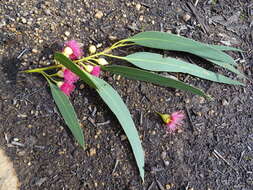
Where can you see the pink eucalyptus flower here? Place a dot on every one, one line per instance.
(67, 88)
(173, 121)
(77, 52)
(69, 76)
(96, 71)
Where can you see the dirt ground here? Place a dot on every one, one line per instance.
(214, 149)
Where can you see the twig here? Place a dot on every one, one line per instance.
(145, 5)
(196, 3)
(104, 123)
(141, 118)
(190, 118)
(22, 53)
(201, 22)
(17, 144)
(115, 166)
(94, 111)
(159, 185)
(216, 153)
(151, 186)
(92, 121)
(241, 156)
(161, 27)
(39, 147)
(6, 137)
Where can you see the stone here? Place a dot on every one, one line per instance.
(99, 14)
(186, 17)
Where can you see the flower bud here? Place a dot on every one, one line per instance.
(60, 73)
(102, 61)
(59, 84)
(67, 51)
(92, 49)
(165, 117)
(88, 68)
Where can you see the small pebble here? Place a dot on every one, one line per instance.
(47, 12)
(81, 86)
(16, 139)
(166, 163)
(99, 15)
(225, 102)
(34, 50)
(186, 17)
(141, 18)
(199, 113)
(93, 152)
(187, 101)
(123, 137)
(67, 33)
(112, 37)
(24, 63)
(169, 186)
(201, 100)
(21, 153)
(99, 45)
(138, 6)
(163, 155)
(23, 20)
(118, 77)
(211, 112)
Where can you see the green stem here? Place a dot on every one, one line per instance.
(88, 58)
(82, 64)
(54, 75)
(121, 42)
(114, 56)
(114, 46)
(48, 77)
(123, 45)
(92, 62)
(42, 69)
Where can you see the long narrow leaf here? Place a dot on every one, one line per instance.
(166, 41)
(118, 107)
(141, 75)
(67, 112)
(155, 62)
(228, 67)
(225, 48)
(74, 68)
(115, 103)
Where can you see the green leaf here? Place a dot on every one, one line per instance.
(228, 67)
(225, 48)
(68, 113)
(155, 62)
(141, 75)
(115, 103)
(166, 41)
(118, 107)
(74, 68)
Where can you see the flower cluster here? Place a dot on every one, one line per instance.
(172, 121)
(73, 51)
